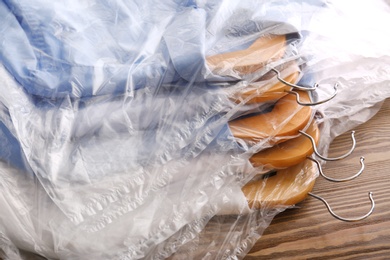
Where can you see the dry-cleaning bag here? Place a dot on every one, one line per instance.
(120, 131)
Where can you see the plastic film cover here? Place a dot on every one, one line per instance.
(134, 129)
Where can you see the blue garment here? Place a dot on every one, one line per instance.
(85, 49)
(80, 49)
(102, 87)
(110, 105)
(10, 148)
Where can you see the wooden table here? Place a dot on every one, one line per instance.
(310, 232)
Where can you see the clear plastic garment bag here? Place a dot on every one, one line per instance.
(126, 126)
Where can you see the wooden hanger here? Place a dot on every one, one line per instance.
(264, 50)
(286, 119)
(275, 92)
(287, 187)
(287, 153)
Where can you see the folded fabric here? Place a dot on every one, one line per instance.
(96, 139)
(112, 108)
(81, 49)
(121, 232)
(84, 156)
(162, 155)
(10, 151)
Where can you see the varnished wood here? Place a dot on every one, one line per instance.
(261, 92)
(287, 187)
(286, 119)
(288, 153)
(310, 232)
(264, 50)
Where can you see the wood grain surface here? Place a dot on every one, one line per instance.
(310, 232)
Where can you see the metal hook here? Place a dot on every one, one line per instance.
(314, 103)
(293, 85)
(339, 180)
(331, 159)
(347, 219)
(314, 87)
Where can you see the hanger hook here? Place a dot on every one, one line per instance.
(370, 194)
(327, 158)
(314, 103)
(339, 180)
(314, 87)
